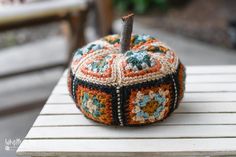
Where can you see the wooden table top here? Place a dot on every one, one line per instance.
(204, 124)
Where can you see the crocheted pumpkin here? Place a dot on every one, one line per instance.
(141, 86)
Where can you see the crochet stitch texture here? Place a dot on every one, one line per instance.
(142, 86)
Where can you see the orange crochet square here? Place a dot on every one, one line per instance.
(148, 105)
(95, 104)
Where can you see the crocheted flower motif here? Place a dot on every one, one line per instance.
(150, 107)
(94, 104)
(100, 65)
(89, 48)
(137, 39)
(91, 105)
(138, 60)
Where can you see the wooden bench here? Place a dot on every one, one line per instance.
(204, 124)
(42, 12)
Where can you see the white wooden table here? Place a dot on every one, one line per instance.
(204, 124)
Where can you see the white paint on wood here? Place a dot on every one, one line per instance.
(209, 97)
(204, 124)
(202, 146)
(216, 78)
(211, 87)
(174, 119)
(60, 109)
(62, 120)
(59, 99)
(100, 132)
(215, 69)
(210, 107)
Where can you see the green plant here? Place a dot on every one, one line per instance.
(140, 6)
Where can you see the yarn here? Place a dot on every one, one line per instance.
(141, 86)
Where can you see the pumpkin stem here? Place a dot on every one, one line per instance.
(126, 32)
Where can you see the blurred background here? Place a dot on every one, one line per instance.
(38, 38)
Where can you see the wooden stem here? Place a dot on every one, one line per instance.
(126, 33)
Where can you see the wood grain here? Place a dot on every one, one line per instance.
(204, 124)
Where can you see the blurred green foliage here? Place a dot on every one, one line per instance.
(140, 6)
